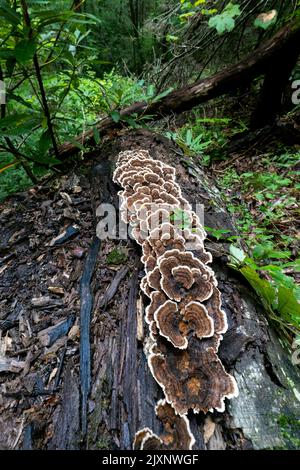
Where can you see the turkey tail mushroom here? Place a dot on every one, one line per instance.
(185, 315)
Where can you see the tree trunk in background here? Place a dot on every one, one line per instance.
(137, 16)
(275, 83)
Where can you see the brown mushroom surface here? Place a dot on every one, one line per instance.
(192, 378)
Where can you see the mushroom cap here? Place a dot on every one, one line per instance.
(145, 286)
(158, 298)
(183, 276)
(192, 378)
(154, 278)
(214, 309)
(168, 321)
(145, 439)
(177, 434)
(142, 164)
(164, 238)
(177, 325)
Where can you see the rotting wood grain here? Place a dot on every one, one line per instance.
(250, 421)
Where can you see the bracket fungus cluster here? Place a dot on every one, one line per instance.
(185, 317)
(176, 435)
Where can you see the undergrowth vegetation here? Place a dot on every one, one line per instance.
(264, 203)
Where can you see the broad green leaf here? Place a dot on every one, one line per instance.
(210, 11)
(280, 278)
(115, 115)
(19, 99)
(25, 50)
(265, 20)
(279, 254)
(232, 10)
(46, 14)
(45, 142)
(185, 16)
(237, 254)
(261, 286)
(150, 91)
(130, 120)
(8, 13)
(18, 124)
(288, 305)
(259, 251)
(162, 95)
(170, 38)
(224, 22)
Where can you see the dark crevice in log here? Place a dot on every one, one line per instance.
(86, 299)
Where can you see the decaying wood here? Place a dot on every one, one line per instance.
(112, 288)
(86, 298)
(11, 365)
(48, 336)
(100, 177)
(262, 61)
(250, 351)
(47, 414)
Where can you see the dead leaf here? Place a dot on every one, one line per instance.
(56, 290)
(267, 17)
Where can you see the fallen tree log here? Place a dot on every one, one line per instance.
(262, 61)
(123, 391)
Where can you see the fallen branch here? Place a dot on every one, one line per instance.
(113, 287)
(99, 181)
(229, 79)
(11, 365)
(48, 336)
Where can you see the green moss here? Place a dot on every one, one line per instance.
(116, 257)
(290, 430)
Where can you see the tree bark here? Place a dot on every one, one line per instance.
(277, 76)
(263, 60)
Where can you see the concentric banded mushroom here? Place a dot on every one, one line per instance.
(193, 378)
(177, 434)
(185, 315)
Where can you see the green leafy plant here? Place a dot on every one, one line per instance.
(225, 22)
(265, 20)
(278, 292)
(218, 234)
(35, 38)
(116, 256)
